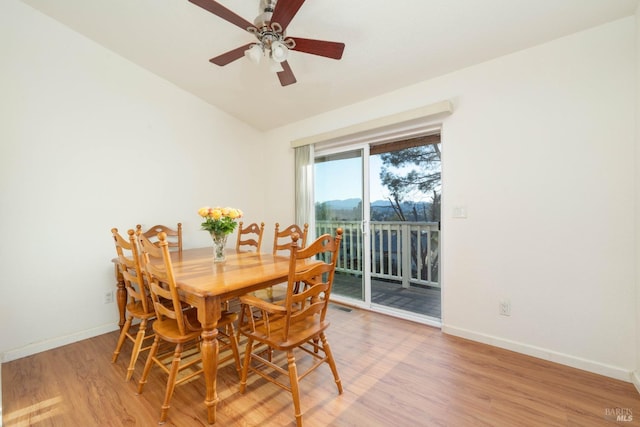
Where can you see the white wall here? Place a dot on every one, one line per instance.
(540, 149)
(89, 141)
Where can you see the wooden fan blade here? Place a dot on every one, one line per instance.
(224, 13)
(285, 11)
(230, 56)
(286, 76)
(319, 47)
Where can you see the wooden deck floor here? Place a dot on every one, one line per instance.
(420, 300)
(394, 373)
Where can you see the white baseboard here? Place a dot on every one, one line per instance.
(546, 354)
(635, 379)
(41, 346)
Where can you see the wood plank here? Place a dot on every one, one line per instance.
(394, 372)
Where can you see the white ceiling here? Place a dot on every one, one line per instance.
(389, 44)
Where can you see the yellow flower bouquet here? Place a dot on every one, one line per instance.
(219, 220)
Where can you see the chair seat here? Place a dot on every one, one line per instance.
(169, 331)
(299, 332)
(137, 310)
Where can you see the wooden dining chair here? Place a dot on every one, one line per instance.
(298, 325)
(282, 243)
(138, 305)
(282, 238)
(176, 325)
(174, 236)
(250, 236)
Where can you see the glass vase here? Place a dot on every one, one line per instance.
(219, 243)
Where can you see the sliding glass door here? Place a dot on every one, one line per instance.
(339, 203)
(386, 198)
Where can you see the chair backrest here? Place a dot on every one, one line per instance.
(318, 279)
(156, 263)
(282, 239)
(174, 236)
(129, 263)
(250, 236)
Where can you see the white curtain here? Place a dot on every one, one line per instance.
(305, 210)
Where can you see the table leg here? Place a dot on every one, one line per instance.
(121, 295)
(209, 313)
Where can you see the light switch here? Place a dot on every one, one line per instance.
(459, 211)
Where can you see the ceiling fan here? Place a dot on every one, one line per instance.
(269, 28)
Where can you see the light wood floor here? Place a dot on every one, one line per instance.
(394, 372)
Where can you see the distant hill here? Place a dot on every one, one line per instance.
(384, 203)
(380, 209)
(342, 204)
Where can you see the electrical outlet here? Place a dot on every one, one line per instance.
(108, 297)
(504, 309)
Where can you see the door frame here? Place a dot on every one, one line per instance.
(356, 143)
(421, 121)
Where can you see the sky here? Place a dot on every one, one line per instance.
(342, 179)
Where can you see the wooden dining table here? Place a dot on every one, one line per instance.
(206, 285)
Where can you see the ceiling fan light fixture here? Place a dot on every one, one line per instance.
(279, 51)
(254, 53)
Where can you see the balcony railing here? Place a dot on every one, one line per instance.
(407, 252)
